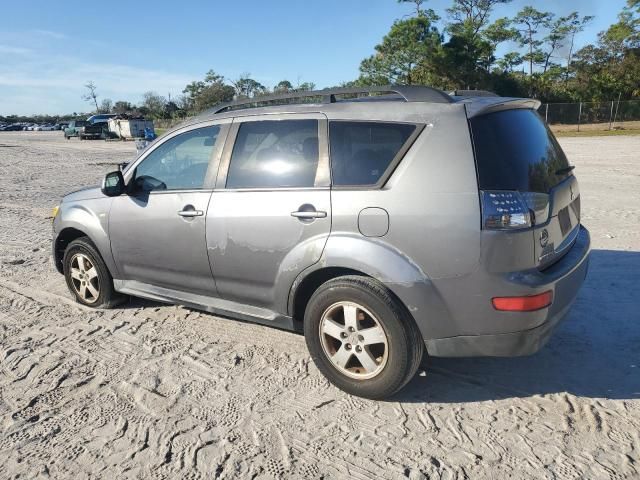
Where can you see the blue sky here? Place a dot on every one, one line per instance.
(50, 49)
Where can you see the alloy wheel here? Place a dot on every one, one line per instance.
(84, 278)
(354, 340)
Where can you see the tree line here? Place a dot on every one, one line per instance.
(459, 51)
(451, 50)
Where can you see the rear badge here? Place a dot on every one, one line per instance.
(544, 238)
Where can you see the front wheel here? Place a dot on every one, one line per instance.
(361, 338)
(87, 275)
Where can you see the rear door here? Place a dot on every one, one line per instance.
(270, 215)
(515, 151)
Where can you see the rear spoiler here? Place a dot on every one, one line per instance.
(473, 93)
(482, 105)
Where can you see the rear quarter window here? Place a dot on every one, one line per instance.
(515, 150)
(361, 152)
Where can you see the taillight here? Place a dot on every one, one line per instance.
(512, 210)
(523, 304)
(538, 203)
(504, 210)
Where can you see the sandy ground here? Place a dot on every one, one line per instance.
(585, 127)
(159, 391)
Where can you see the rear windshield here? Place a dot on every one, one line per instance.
(516, 151)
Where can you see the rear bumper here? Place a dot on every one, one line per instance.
(565, 279)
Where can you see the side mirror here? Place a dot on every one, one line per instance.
(113, 184)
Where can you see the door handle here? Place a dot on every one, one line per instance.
(190, 212)
(311, 214)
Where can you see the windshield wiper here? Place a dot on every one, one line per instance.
(562, 171)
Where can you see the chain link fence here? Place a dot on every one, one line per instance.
(592, 115)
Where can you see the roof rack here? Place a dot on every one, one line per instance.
(410, 93)
(473, 93)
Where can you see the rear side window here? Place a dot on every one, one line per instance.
(516, 151)
(361, 152)
(274, 154)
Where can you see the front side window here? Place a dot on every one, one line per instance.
(180, 163)
(274, 154)
(361, 152)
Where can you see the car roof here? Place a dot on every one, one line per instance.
(325, 101)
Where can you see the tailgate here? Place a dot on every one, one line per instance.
(523, 174)
(554, 238)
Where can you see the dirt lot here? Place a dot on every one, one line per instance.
(594, 127)
(166, 392)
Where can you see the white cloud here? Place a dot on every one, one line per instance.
(67, 72)
(50, 34)
(11, 50)
(51, 83)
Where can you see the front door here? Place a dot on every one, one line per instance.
(270, 215)
(158, 231)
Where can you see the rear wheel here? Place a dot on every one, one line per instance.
(361, 338)
(87, 275)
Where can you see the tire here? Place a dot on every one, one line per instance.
(395, 358)
(83, 267)
(66, 137)
(80, 137)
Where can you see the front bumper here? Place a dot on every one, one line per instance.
(565, 279)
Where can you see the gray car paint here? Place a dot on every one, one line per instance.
(433, 255)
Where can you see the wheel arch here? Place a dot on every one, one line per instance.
(64, 238)
(353, 255)
(302, 291)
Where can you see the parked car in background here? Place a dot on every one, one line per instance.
(101, 118)
(44, 128)
(380, 226)
(82, 129)
(16, 127)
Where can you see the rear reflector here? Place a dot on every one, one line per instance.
(523, 304)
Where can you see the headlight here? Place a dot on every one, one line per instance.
(54, 212)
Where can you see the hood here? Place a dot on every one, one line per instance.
(83, 194)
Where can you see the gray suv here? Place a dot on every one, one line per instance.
(381, 226)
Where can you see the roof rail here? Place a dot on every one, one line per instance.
(410, 93)
(473, 93)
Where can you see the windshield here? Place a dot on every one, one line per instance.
(516, 151)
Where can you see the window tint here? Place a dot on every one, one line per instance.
(179, 163)
(516, 151)
(362, 151)
(274, 153)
